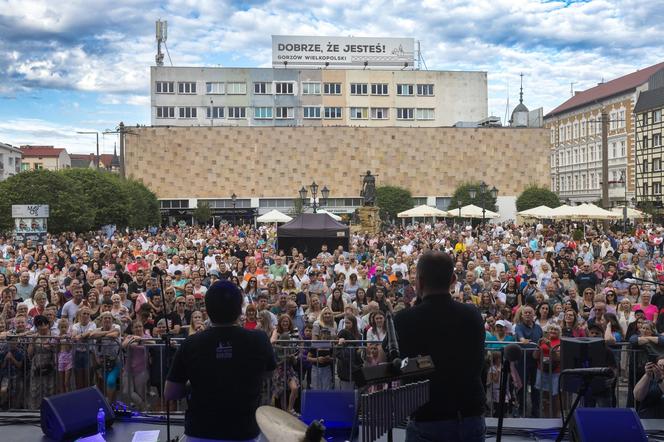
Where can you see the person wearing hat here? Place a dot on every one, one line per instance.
(225, 365)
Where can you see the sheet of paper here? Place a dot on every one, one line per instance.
(95, 438)
(146, 436)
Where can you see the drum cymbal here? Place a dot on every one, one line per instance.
(279, 426)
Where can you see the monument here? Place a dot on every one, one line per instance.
(369, 214)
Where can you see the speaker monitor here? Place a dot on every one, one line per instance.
(582, 353)
(606, 425)
(338, 409)
(70, 415)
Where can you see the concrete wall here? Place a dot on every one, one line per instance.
(214, 162)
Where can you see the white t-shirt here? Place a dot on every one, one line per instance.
(70, 309)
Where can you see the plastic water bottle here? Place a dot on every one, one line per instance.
(101, 422)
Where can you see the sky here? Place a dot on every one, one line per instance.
(84, 65)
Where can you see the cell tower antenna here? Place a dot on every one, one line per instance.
(161, 34)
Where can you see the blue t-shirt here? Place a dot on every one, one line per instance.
(534, 333)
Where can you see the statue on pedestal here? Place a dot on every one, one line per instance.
(369, 189)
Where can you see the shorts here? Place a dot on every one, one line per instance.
(81, 359)
(65, 360)
(545, 381)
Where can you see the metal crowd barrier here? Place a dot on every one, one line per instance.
(32, 367)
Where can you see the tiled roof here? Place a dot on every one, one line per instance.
(41, 151)
(650, 100)
(608, 89)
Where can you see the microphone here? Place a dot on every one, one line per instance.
(392, 342)
(512, 352)
(604, 372)
(625, 275)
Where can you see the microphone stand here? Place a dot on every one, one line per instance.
(166, 338)
(501, 396)
(582, 392)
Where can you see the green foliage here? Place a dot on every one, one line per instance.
(392, 200)
(577, 234)
(69, 209)
(298, 207)
(202, 213)
(80, 199)
(535, 196)
(461, 197)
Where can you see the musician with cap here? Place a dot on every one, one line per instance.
(433, 327)
(225, 366)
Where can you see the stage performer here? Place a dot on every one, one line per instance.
(452, 333)
(226, 365)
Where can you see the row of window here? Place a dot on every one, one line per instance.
(583, 128)
(308, 112)
(656, 165)
(651, 117)
(288, 88)
(591, 181)
(574, 156)
(656, 141)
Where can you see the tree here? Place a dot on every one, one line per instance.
(392, 200)
(534, 196)
(70, 210)
(298, 207)
(461, 197)
(202, 213)
(143, 205)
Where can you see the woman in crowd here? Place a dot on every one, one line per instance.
(571, 327)
(650, 310)
(377, 330)
(138, 374)
(587, 304)
(547, 356)
(314, 309)
(348, 355)
(325, 321)
(250, 317)
(361, 300)
(543, 315)
(42, 354)
(107, 355)
(197, 324)
(285, 378)
(336, 304)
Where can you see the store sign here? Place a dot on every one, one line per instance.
(307, 51)
(30, 222)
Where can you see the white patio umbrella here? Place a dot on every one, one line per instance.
(538, 212)
(334, 217)
(584, 212)
(422, 211)
(631, 213)
(273, 216)
(473, 211)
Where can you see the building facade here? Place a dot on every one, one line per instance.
(44, 157)
(210, 96)
(10, 161)
(265, 167)
(575, 138)
(649, 152)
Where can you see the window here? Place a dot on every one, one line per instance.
(379, 89)
(261, 113)
(187, 87)
(657, 116)
(656, 164)
(575, 130)
(165, 87)
(332, 112)
(312, 112)
(592, 180)
(262, 88)
(645, 189)
(404, 89)
(591, 151)
(425, 114)
(583, 128)
(332, 88)
(379, 113)
(645, 142)
(284, 88)
(614, 153)
(311, 89)
(358, 89)
(657, 140)
(656, 188)
(621, 119)
(359, 113)
(215, 112)
(39, 166)
(644, 166)
(237, 112)
(187, 112)
(236, 89)
(284, 112)
(425, 89)
(405, 113)
(165, 112)
(212, 88)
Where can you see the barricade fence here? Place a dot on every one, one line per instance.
(134, 373)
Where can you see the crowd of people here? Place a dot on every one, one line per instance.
(85, 308)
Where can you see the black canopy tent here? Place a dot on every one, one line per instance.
(309, 231)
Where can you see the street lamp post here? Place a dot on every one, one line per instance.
(234, 201)
(315, 204)
(482, 197)
(97, 134)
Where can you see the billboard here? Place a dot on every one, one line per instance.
(30, 222)
(342, 52)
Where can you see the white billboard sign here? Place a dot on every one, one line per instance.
(30, 211)
(343, 52)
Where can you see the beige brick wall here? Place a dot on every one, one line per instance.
(214, 162)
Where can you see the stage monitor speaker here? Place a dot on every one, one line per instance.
(582, 353)
(70, 415)
(606, 425)
(338, 409)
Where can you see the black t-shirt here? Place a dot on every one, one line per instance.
(225, 366)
